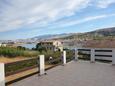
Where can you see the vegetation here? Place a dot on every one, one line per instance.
(83, 56)
(14, 52)
(26, 64)
(20, 65)
(21, 48)
(40, 48)
(21, 51)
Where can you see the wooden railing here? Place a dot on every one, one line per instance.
(98, 53)
(19, 66)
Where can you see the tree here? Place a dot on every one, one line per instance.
(40, 48)
(21, 48)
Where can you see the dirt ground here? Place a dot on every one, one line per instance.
(8, 60)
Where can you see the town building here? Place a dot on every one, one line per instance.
(52, 45)
(2, 45)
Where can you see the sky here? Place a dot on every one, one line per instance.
(21, 19)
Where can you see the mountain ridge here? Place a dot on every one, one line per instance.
(100, 33)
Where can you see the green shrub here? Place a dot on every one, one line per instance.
(14, 52)
(20, 65)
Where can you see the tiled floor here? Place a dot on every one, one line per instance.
(81, 73)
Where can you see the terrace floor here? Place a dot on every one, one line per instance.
(81, 73)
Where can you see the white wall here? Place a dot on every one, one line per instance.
(0, 45)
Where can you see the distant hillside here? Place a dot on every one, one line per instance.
(51, 36)
(104, 32)
(43, 37)
(97, 34)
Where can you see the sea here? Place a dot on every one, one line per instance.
(29, 46)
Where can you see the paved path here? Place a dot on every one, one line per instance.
(80, 73)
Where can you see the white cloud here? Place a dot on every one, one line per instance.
(83, 20)
(105, 3)
(12, 25)
(15, 14)
(19, 13)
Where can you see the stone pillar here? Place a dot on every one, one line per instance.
(2, 75)
(64, 57)
(92, 57)
(76, 54)
(113, 56)
(41, 65)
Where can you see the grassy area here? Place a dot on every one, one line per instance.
(20, 65)
(58, 54)
(15, 52)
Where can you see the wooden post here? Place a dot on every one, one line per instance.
(113, 56)
(42, 65)
(76, 54)
(92, 58)
(64, 57)
(2, 75)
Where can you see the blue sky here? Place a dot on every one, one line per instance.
(20, 19)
